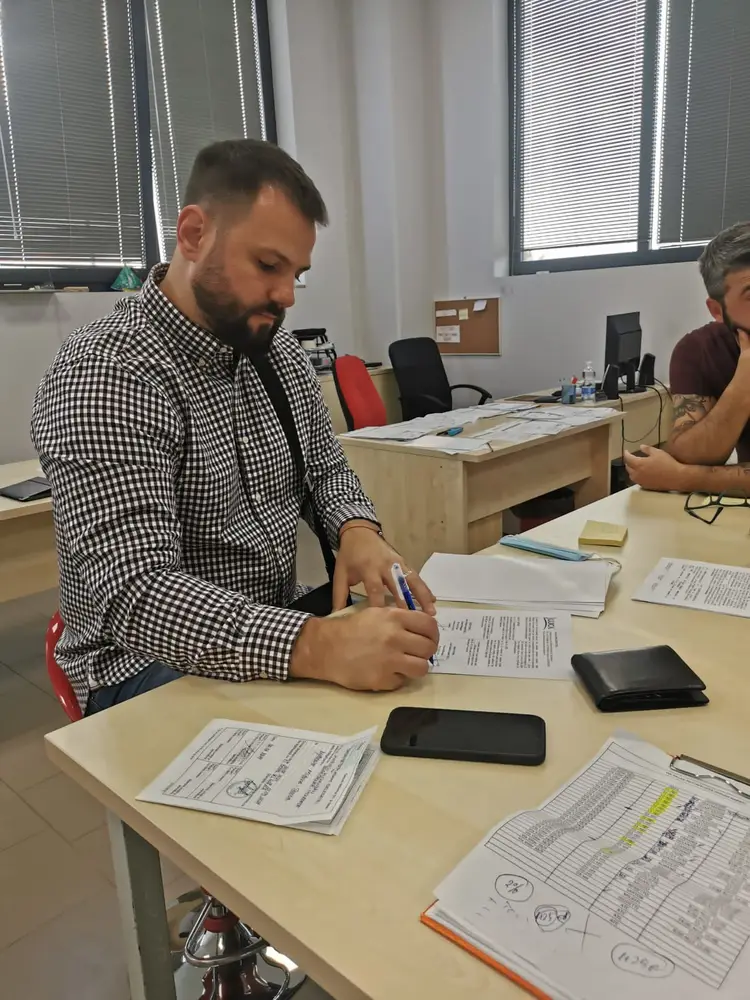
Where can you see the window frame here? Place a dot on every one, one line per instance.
(100, 279)
(644, 254)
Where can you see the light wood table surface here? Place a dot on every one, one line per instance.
(430, 501)
(28, 561)
(648, 418)
(347, 908)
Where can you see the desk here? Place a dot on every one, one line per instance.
(428, 501)
(28, 561)
(347, 908)
(648, 418)
(384, 381)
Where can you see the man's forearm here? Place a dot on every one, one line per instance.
(732, 480)
(700, 439)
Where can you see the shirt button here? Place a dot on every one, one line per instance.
(262, 676)
(245, 440)
(203, 363)
(257, 497)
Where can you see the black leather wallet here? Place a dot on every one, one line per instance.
(634, 680)
(30, 489)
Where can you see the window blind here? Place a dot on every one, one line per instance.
(69, 187)
(205, 86)
(703, 120)
(579, 74)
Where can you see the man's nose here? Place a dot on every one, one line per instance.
(282, 294)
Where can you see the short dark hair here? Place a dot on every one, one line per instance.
(727, 252)
(237, 169)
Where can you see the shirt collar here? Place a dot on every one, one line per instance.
(189, 338)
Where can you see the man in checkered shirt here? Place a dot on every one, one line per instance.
(175, 493)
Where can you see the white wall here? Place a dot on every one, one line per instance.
(431, 122)
(314, 89)
(32, 327)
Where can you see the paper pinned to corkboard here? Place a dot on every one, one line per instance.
(468, 326)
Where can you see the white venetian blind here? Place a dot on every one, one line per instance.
(578, 125)
(69, 182)
(703, 120)
(205, 86)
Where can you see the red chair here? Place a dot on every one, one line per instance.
(360, 400)
(60, 684)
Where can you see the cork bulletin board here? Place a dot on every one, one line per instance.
(468, 326)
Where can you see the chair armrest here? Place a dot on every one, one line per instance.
(482, 392)
(430, 399)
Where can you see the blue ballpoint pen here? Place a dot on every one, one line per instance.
(400, 580)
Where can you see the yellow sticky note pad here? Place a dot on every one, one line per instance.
(601, 533)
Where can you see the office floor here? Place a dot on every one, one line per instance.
(59, 922)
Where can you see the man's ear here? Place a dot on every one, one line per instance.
(192, 229)
(714, 307)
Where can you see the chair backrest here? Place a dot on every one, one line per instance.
(360, 400)
(419, 370)
(60, 684)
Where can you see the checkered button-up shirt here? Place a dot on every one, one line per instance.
(175, 496)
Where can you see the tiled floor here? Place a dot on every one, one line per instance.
(59, 921)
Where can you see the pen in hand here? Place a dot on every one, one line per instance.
(403, 588)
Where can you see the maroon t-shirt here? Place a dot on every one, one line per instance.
(703, 364)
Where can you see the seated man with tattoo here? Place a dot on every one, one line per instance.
(710, 380)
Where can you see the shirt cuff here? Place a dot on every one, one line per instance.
(270, 641)
(349, 512)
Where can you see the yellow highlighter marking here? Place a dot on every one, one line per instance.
(644, 822)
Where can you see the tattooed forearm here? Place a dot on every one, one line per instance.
(688, 410)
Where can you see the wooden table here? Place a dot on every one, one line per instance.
(28, 561)
(347, 908)
(429, 501)
(648, 418)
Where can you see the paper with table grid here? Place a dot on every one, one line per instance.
(287, 777)
(629, 879)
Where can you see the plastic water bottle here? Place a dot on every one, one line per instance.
(588, 388)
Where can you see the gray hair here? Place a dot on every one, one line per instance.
(728, 251)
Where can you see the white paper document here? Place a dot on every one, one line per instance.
(504, 644)
(287, 777)
(540, 585)
(699, 585)
(627, 882)
(449, 445)
(450, 334)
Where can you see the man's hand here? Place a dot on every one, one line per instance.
(376, 649)
(657, 470)
(742, 372)
(364, 557)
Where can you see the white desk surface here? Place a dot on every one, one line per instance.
(16, 472)
(347, 908)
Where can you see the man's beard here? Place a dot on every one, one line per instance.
(229, 322)
(730, 323)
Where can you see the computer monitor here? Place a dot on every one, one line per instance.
(623, 347)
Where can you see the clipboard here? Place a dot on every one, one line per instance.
(680, 764)
(427, 920)
(700, 770)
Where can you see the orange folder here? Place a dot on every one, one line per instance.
(518, 980)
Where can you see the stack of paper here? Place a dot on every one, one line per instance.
(287, 777)
(631, 880)
(450, 445)
(434, 423)
(699, 585)
(527, 584)
(504, 644)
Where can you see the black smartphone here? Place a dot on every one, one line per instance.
(491, 737)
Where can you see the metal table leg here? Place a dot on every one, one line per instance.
(143, 913)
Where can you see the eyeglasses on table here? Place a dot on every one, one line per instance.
(707, 507)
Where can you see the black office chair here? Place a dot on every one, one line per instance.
(420, 375)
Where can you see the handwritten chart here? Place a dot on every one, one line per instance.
(627, 874)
